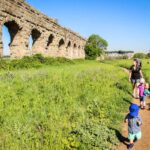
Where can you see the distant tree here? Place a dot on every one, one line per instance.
(95, 46)
(148, 55)
(139, 55)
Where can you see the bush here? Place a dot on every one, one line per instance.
(148, 55)
(57, 61)
(25, 63)
(125, 57)
(63, 60)
(91, 52)
(39, 58)
(35, 61)
(95, 46)
(4, 64)
(91, 136)
(139, 55)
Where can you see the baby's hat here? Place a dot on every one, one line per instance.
(134, 110)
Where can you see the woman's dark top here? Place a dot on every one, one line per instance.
(135, 73)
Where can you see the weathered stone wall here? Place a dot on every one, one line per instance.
(49, 38)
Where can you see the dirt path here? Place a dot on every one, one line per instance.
(144, 143)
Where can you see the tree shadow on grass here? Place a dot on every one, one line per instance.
(120, 86)
(121, 138)
(129, 92)
(126, 100)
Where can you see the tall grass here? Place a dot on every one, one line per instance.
(127, 64)
(78, 106)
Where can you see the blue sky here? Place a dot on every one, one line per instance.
(125, 24)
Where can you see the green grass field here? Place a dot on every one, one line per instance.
(128, 63)
(76, 106)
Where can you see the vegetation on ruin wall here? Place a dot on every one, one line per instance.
(76, 106)
(35, 61)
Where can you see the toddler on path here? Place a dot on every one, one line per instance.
(134, 123)
(146, 92)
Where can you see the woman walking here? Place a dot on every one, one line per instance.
(134, 76)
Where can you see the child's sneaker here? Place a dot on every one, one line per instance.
(130, 146)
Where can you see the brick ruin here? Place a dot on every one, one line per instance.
(49, 38)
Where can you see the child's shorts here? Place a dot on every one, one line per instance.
(136, 136)
(142, 98)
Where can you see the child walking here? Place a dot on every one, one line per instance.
(141, 88)
(134, 123)
(146, 92)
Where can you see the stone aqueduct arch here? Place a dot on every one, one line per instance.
(49, 38)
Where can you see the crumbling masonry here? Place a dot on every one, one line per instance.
(49, 38)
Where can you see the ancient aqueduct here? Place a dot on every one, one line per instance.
(49, 38)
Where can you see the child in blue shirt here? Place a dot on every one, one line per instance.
(134, 122)
(146, 92)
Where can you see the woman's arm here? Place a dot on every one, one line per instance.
(141, 73)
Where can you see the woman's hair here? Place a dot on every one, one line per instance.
(138, 63)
